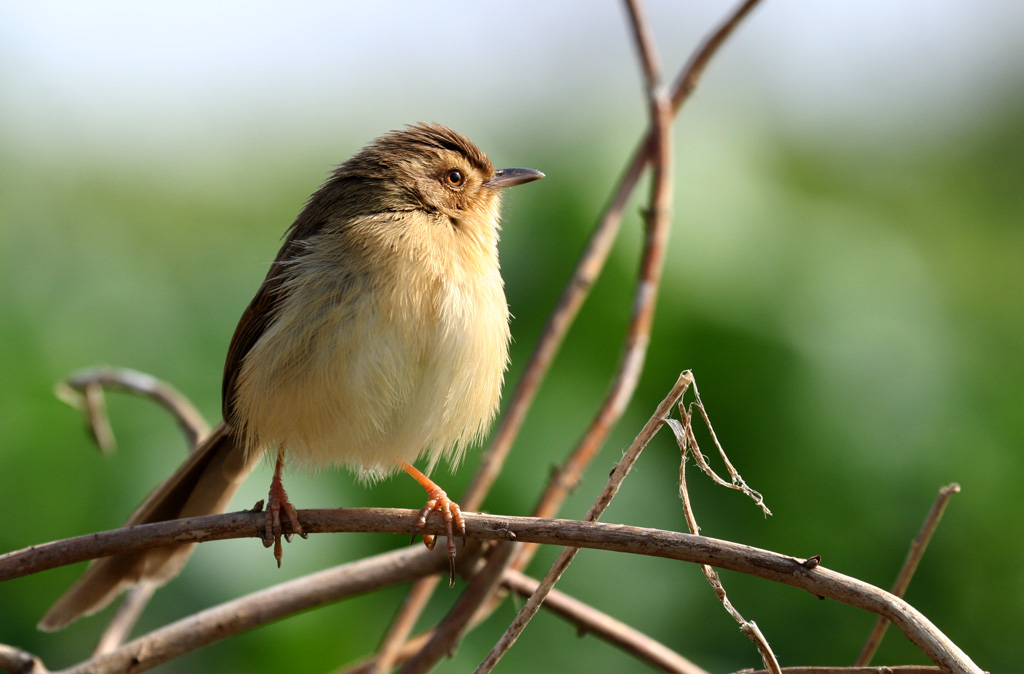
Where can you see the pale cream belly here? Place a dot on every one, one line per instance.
(373, 391)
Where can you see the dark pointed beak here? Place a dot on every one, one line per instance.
(512, 176)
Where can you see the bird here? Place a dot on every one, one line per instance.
(378, 337)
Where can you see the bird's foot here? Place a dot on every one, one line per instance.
(438, 501)
(277, 501)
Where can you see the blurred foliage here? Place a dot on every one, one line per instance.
(852, 311)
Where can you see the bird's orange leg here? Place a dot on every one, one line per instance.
(277, 500)
(438, 501)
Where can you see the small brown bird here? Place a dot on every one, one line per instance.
(379, 336)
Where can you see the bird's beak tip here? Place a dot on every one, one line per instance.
(513, 176)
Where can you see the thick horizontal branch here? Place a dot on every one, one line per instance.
(246, 524)
(792, 571)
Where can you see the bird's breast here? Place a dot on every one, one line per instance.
(375, 372)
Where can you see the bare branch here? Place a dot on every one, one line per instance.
(567, 477)
(401, 654)
(395, 642)
(92, 546)
(588, 268)
(736, 480)
(16, 661)
(691, 73)
(487, 564)
(84, 392)
(530, 608)
(591, 621)
(917, 549)
(408, 563)
(587, 619)
(263, 607)
(128, 613)
(649, 62)
(447, 635)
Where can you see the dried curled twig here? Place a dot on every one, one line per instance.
(85, 392)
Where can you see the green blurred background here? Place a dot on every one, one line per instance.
(844, 278)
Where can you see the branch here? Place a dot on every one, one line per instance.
(84, 392)
(395, 645)
(587, 619)
(448, 633)
(618, 474)
(567, 478)
(591, 621)
(409, 563)
(488, 572)
(588, 268)
(261, 608)
(16, 661)
(649, 62)
(690, 76)
(917, 549)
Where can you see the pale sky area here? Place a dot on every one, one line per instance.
(152, 75)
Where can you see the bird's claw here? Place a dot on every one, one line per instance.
(438, 501)
(277, 500)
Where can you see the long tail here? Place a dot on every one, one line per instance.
(203, 485)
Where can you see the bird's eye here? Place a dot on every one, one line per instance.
(454, 178)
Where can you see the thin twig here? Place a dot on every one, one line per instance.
(690, 75)
(84, 392)
(589, 620)
(567, 477)
(94, 403)
(917, 548)
(649, 62)
(683, 430)
(393, 645)
(128, 613)
(405, 651)
(736, 480)
(588, 268)
(638, 333)
(448, 633)
(529, 609)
